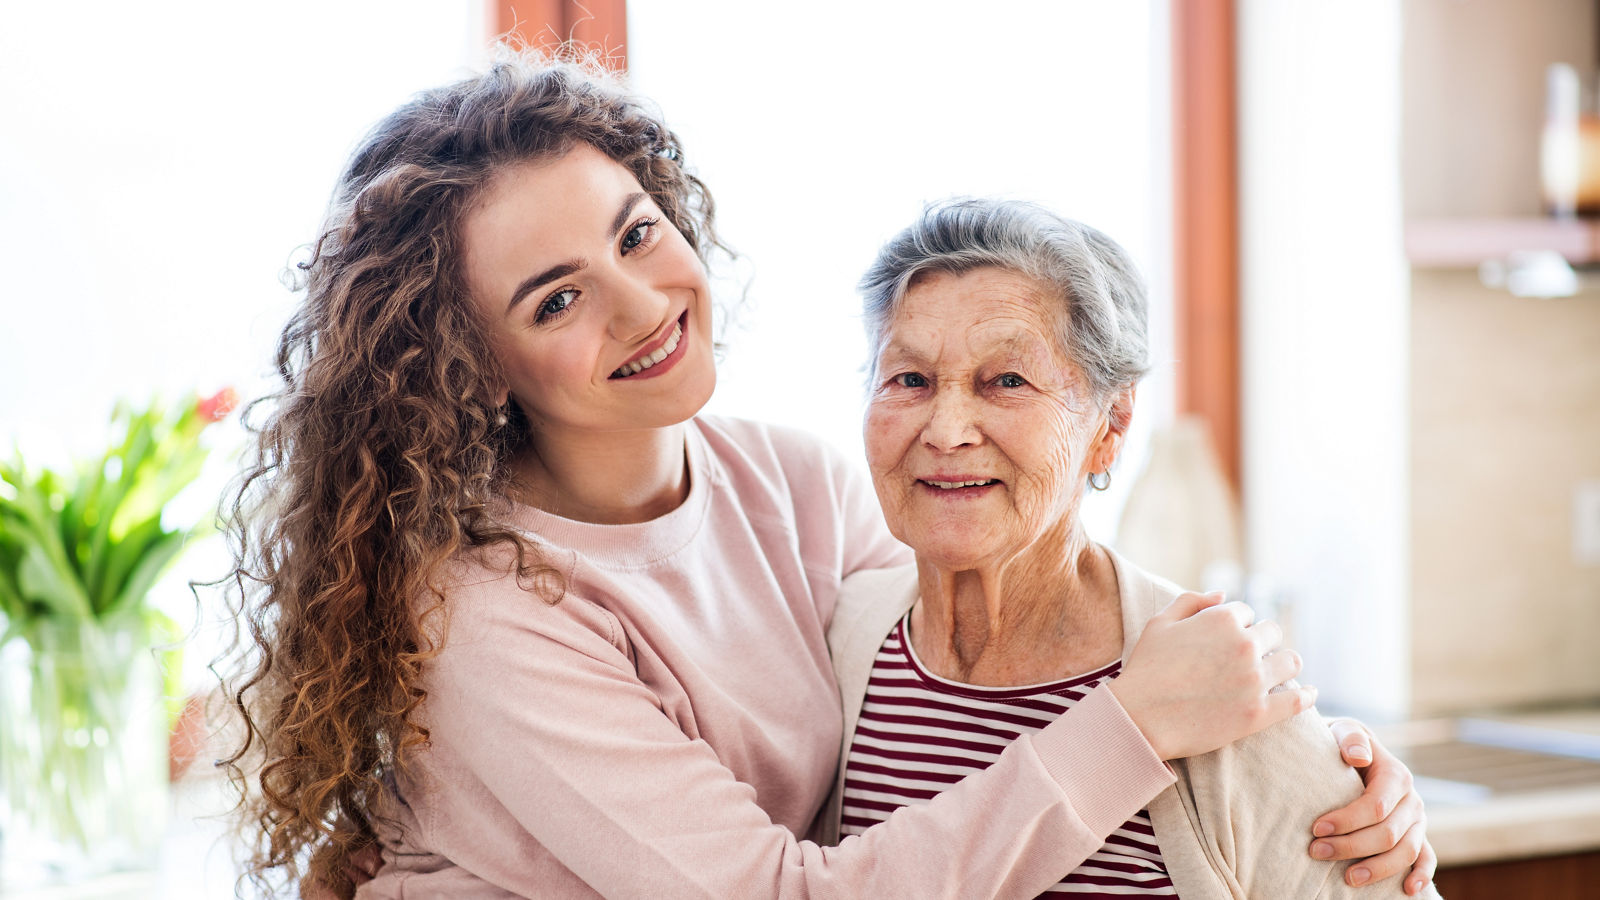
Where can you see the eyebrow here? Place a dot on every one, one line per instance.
(562, 270)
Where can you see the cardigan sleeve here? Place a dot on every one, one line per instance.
(1237, 824)
(548, 721)
(1249, 807)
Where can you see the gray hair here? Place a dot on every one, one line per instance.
(1101, 322)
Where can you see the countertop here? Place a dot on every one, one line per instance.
(1470, 823)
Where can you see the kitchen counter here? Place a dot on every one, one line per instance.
(1506, 787)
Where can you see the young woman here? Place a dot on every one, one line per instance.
(521, 615)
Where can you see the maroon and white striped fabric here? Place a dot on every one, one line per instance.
(919, 734)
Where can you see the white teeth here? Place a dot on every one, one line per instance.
(661, 352)
(952, 485)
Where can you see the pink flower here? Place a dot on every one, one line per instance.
(216, 407)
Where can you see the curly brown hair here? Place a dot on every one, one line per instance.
(382, 456)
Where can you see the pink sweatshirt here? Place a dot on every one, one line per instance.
(672, 726)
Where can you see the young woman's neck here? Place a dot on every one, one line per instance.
(609, 478)
(1050, 612)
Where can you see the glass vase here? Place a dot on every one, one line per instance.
(83, 756)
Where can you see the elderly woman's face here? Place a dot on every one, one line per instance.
(980, 432)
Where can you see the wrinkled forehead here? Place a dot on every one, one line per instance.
(988, 310)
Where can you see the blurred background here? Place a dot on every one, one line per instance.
(1375, 403)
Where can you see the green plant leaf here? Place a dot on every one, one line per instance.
(151, 566)
(88, 542)
(121, 558)
(135, 447)
(42, 580)
(12, 606)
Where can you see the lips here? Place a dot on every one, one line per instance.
(953, 485)
(957, 485)
(656, 357)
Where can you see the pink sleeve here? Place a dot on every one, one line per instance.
(548, 726)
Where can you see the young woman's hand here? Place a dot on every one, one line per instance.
(1385, 827)
(1203, 676)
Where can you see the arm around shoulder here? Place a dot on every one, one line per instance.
(552, 759)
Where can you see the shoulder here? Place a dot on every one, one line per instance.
(777, 449)
(483, 606)
(1142, 596)
(785, 472)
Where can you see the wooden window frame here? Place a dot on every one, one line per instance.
(602, 24)
(1206, 220)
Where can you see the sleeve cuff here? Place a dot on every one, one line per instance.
(1102, 762)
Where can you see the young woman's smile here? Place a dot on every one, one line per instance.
(658, 357)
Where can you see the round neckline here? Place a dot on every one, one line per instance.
(633, 544)
(993, 692)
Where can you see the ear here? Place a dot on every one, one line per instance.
(1119, 417)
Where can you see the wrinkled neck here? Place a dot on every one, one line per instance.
(1049, 612)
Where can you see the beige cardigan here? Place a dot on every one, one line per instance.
(1237, 822)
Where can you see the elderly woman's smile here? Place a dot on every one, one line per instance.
(979, 432)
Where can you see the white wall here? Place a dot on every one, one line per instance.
(824, 130)
(159, 162)
(1326, 319)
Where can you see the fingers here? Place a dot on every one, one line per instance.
(1422, 872)
(1280, 665)
(1390, 863)
(1266, 636)
(1355, 742)
(1282, 703)
(1187, 604)
(1377, 839)
(1388, 783)
(1240, 611)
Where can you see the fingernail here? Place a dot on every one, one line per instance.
(1322, 850)
(1415, 887)
(1359, 876)
(1360, 752)
(1322, 829)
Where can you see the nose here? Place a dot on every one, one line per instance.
(953, 420)
(638, 309)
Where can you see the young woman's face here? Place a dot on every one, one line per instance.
(599, 310)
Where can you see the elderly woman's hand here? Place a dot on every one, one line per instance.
(1202, 676)
(1384, 828)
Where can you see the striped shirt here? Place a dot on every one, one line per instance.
(920, 733)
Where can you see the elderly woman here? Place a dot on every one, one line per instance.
(1006, 346)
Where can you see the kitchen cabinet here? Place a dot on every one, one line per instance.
(1573, 876)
